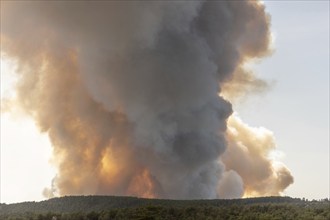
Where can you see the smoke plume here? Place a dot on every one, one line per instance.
(248, 156)
(128, 92)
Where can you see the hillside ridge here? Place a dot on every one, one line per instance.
(90, 203)
(133, 208)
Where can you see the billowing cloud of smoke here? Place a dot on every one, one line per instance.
(128, 93)
(248, 156)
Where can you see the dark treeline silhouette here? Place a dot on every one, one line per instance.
(112, 207)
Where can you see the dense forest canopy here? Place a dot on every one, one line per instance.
(112, 207)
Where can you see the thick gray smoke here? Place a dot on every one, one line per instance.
(128, 90)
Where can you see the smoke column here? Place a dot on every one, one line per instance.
(128, 92)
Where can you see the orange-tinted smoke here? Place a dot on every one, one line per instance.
(249, 155)
(90, 144)
(128, 92)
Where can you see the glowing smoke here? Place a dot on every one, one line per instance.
(128, 94)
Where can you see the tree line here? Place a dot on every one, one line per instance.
(119, 208)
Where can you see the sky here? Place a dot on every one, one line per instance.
(295, 108)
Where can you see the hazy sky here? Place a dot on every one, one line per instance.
(295, 108)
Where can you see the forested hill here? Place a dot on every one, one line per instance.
(69, 204)
(113, 207)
